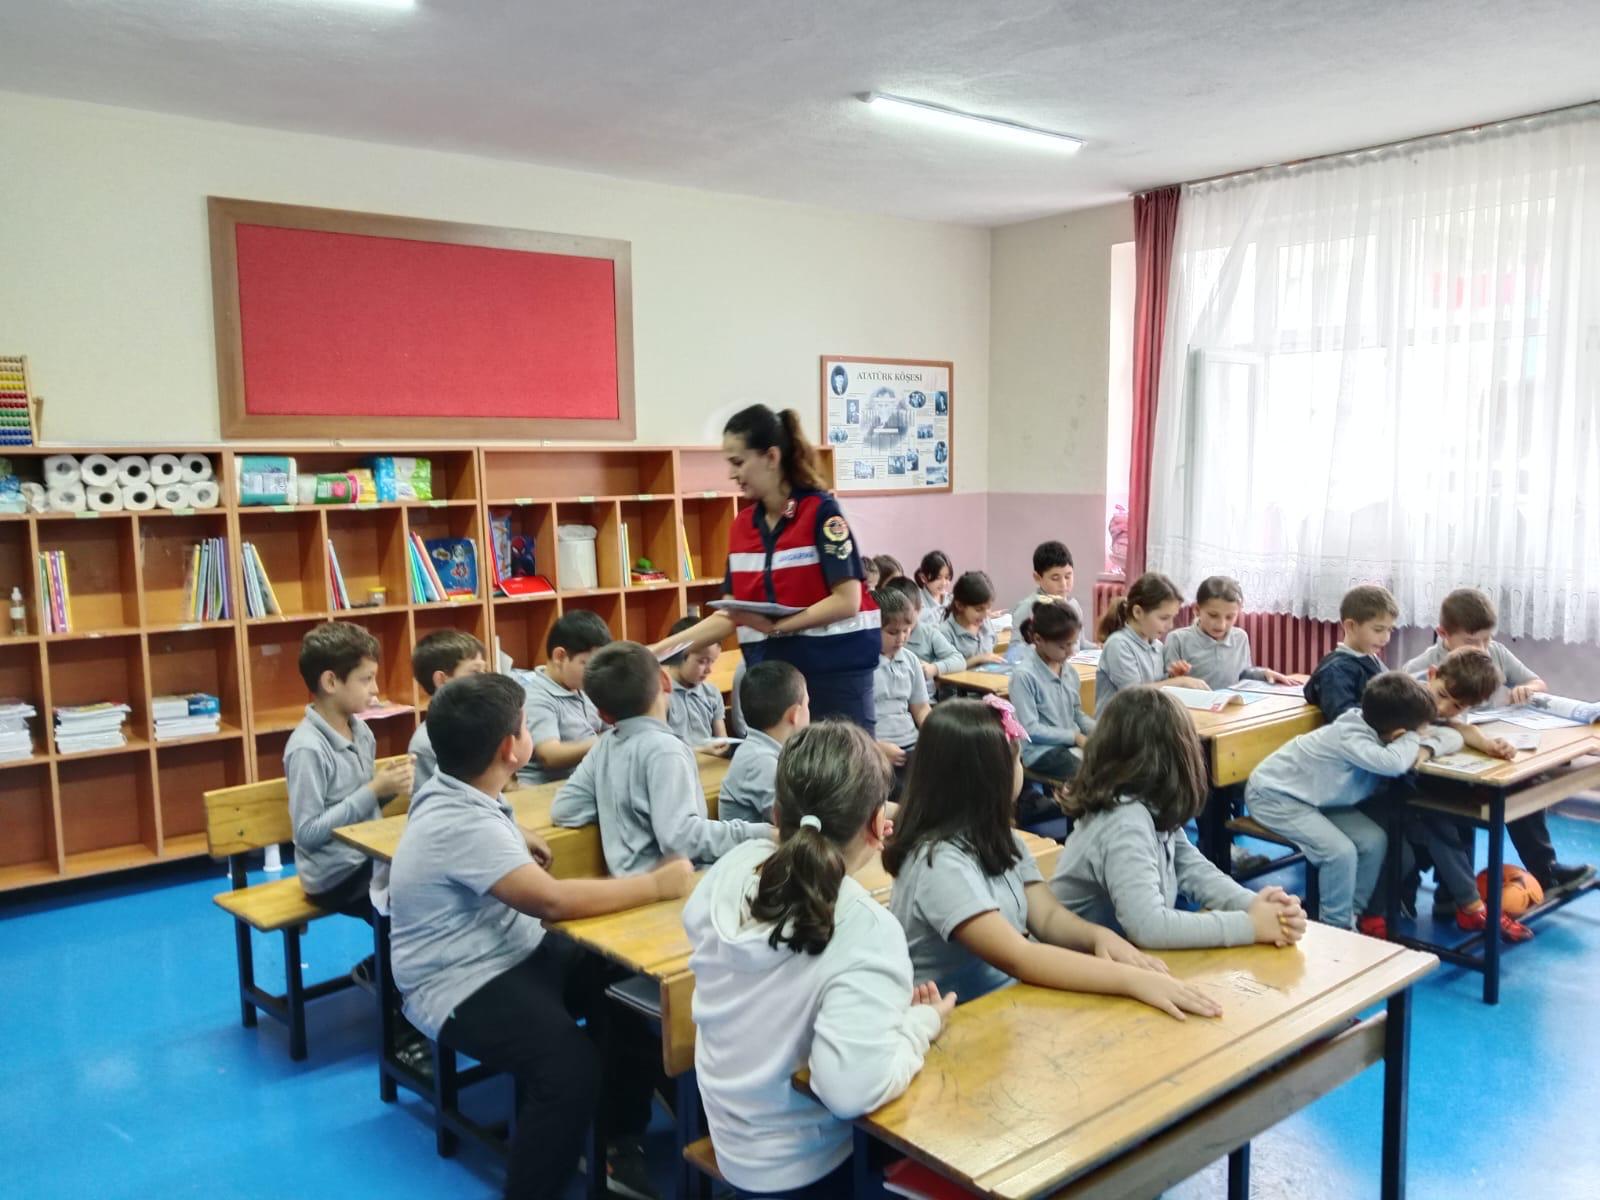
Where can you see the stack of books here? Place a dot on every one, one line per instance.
(341, 594)
(206, 593)
(90, 727)
(16, 741)
(192, 715)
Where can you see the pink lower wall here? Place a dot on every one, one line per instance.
(909, 526)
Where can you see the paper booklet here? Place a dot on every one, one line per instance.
(760, 607)
(1271, 689)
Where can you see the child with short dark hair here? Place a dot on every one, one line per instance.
(970, 897)
(927, 641)
(1046, 692)
(776, 707)
(1128, 860)
(1214, 649)
(329, 766)
(441, 656)
(469, 893)
(640, 782)
(1368, 614)
(900, 689)
(1467, 618)
(695, 710)
(561, 719)
(967, 624)
(933, 578)
(1308, 789)
(1130, 639)
(796, 965)
(1052, 582)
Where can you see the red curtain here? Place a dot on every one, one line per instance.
(1155, 220)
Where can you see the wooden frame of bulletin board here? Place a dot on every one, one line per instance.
(890, 423)
(361, 326)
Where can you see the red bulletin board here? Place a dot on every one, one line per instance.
(356, 325)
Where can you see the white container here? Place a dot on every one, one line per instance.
(575, 561)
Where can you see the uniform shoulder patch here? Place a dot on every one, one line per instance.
(835, 529)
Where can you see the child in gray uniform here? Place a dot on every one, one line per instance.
(640, 782)
(975, 909)
(695, 712)
(1128, 860)
(1214, 649)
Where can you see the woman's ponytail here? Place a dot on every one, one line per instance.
(832, 779)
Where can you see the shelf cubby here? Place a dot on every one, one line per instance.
(18, 569)
(108, 811)
(433, 523)
(199, 660)
(102, 571)
(269, 752)
(371, 550)
(602, 516)
(652, 527)
(278, 695)
(185, 772)
(582, 473)
(28, 851)
(522, 627)
(22, 678)
(166, 554)
(292, 552)
(96, 670)
(705, 470)
(607, 604)
(650, 614)
(534, 521)
(707, 526)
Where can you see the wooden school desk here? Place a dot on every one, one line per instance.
(1236, 740)
(1562, 766)
(1032, 1092)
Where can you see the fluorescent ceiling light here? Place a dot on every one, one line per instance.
(950, 118)
(397, 5)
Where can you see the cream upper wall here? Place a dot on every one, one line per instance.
(1048, 332)
(107, 280)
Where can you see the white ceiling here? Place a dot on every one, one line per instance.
(756, 96)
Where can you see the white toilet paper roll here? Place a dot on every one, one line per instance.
(138, 497)
(36, 496)
(105, 499)
(66, 497)
(204, 494)
(196, 467)
(165, 469)
(133, 468)
(98, 472)
(61, 468)
(174, 495)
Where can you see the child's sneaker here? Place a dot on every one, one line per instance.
(1374, 927)
(1476, 920)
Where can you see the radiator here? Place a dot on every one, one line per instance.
(1293, 645)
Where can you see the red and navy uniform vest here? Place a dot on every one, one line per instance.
(798, 562)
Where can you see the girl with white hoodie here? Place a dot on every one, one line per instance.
(796, 965)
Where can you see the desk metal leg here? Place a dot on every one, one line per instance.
(1215, 843)
(1239, 1173)
(1491, 934)
(1393, 857)
(1396, 1083)
(386, 1008)
(868, 1183)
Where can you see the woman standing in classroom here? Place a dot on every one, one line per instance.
(793, 546)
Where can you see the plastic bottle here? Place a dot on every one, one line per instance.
(19, 614)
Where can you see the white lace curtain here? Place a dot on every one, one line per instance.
(1385, 368)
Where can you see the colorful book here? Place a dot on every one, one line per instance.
(454, 562)
(341, 595)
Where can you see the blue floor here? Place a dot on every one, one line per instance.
(127, 1073)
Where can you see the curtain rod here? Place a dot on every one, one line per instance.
(1300, 162)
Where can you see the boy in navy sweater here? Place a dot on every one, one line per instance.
(1368, 614)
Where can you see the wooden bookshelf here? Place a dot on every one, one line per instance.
(69, 816)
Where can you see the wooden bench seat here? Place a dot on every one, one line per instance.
(1250, 827)
(703, 1158)
(270, 907)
